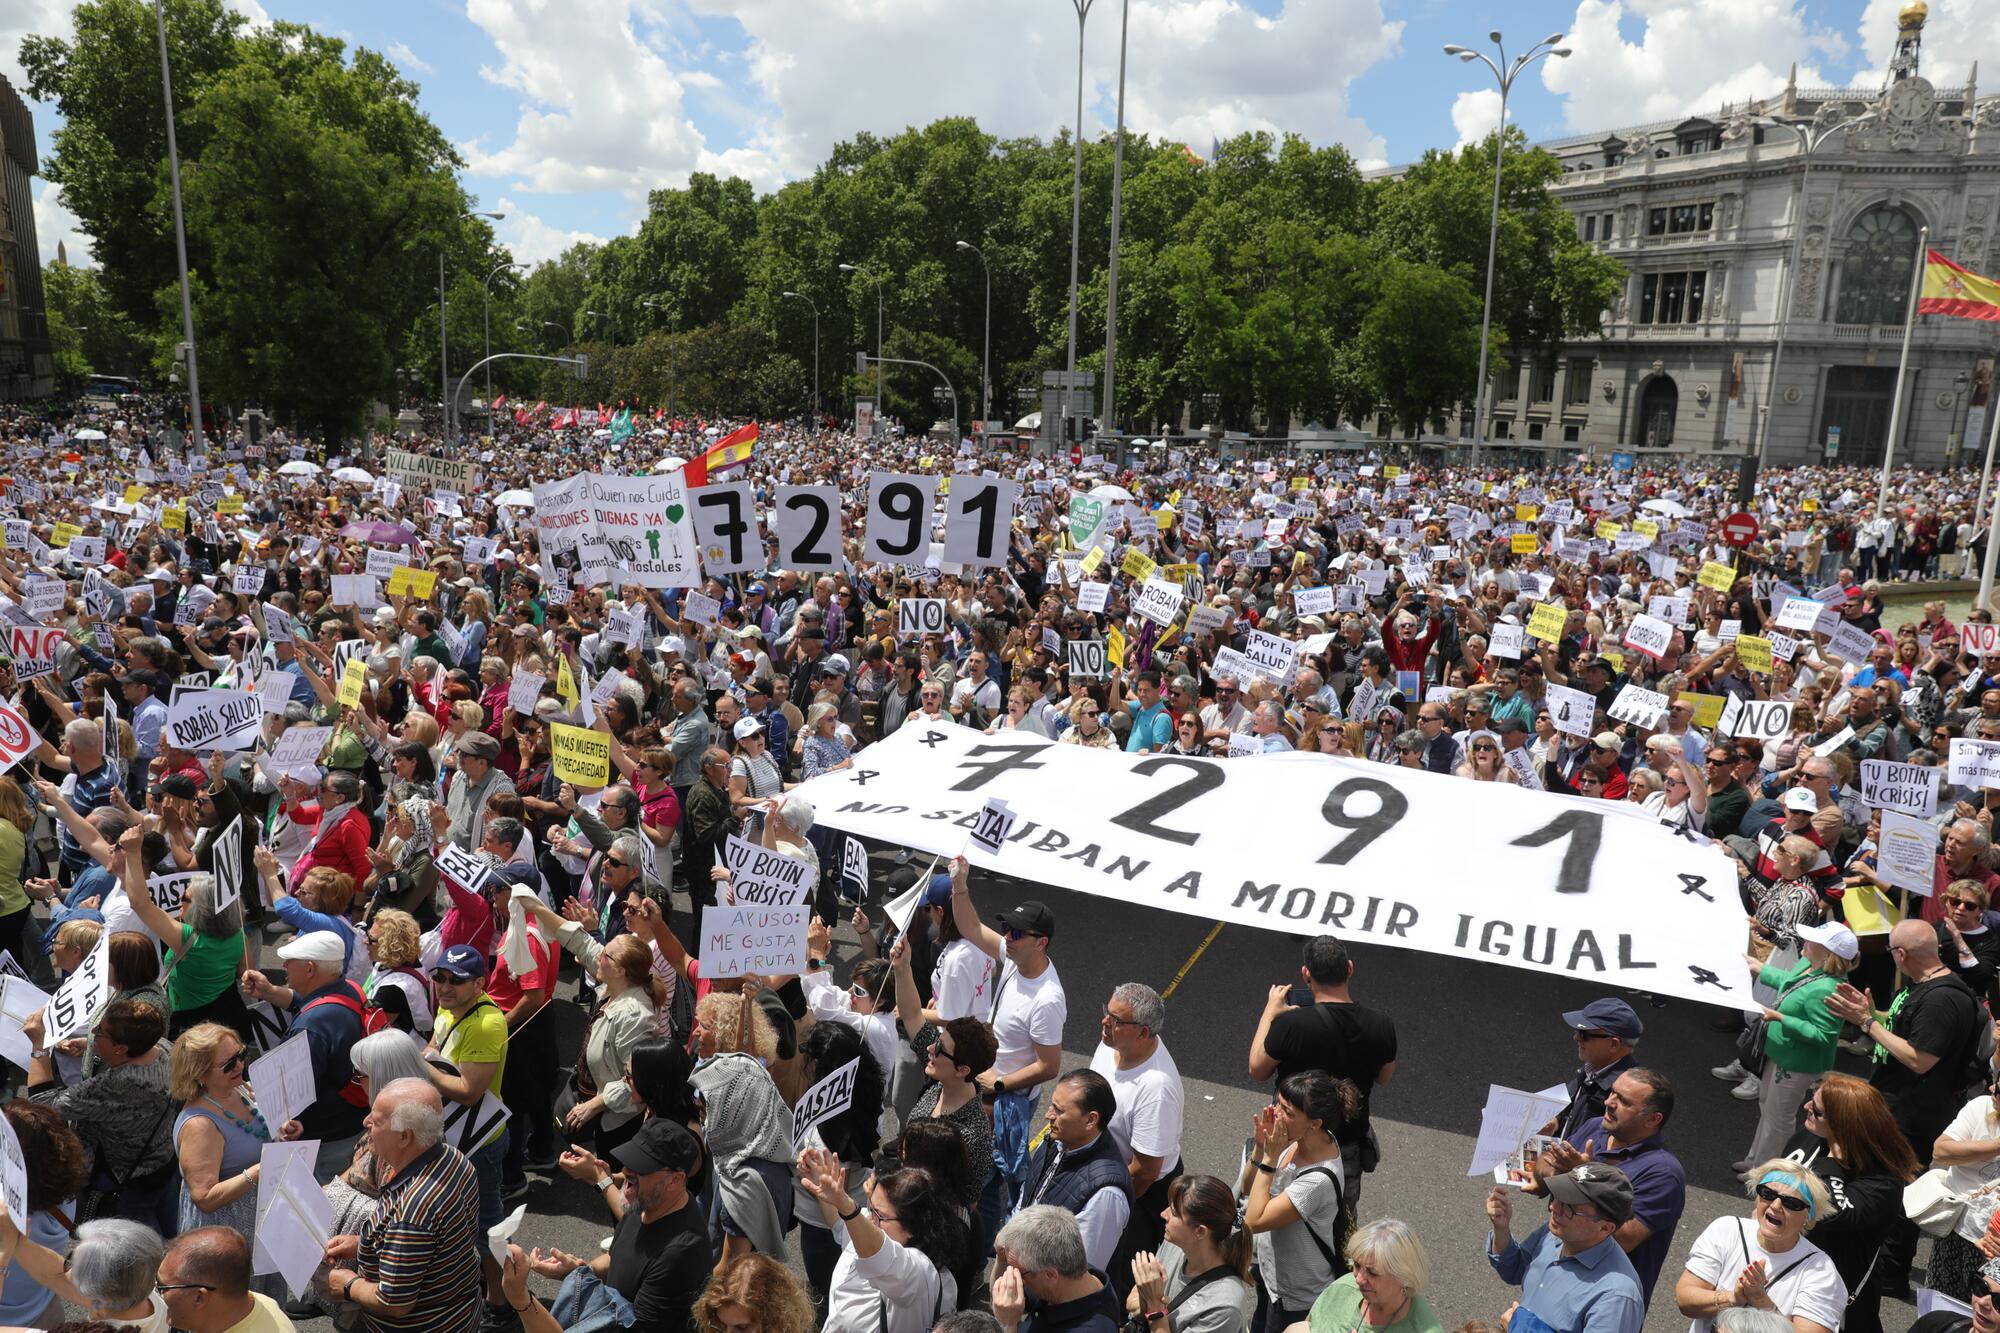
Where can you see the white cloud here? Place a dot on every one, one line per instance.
(531, 240)
(21, 18)
(1953, 37)
(1691, 57)
(1474, 115)
(407, 59)
(54, 222)
(603, 103)
(251, 10)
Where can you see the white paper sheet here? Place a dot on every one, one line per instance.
(1508, 1118)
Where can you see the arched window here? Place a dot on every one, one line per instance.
(1875, 275)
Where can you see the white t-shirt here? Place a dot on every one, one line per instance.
(1976, 1120)
(1031, 1013)
(1802, 1280)
(962, 982)
(1294, 1267)
(1151, 1105)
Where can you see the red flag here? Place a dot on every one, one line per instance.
(499, 401)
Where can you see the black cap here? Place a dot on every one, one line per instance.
(660, 1145)
(1030, 918)
(178, 785)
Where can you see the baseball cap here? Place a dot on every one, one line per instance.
(746, 727)
(755, 590)
(178, 785)
(1030, 918)
(1798, 798)
(1604, 1188)
(835, 665)
(1608, 740)
(315, 946)
(1835, 938)
(660, 1145)
(462, 961)
(1606, 1015)
(938, 892)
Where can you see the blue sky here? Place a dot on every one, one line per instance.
(568, 111)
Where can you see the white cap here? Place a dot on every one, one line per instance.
(315, 946)
(1835, 938)
(1798, 798)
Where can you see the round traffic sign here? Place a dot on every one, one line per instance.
(1739, 529)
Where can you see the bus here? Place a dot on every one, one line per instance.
(104, 391)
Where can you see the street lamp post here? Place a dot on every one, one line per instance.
(800, 296)
(986, 349)
(1082, 8)
(1830, 119)
(879, 404)
(180, 234)
(1506, 74)
(444, 371)
(1110, 417)
(486, 305)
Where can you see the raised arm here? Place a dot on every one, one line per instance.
(909, 1005)
(984, 938)
(86, 834)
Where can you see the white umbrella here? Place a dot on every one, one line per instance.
(669, 463)
(1109, 492)
(1032, 421)
(355, 475)
(299, 467)
(600, 434)
(1671, 508)
(657, 432)
(521, 499)
(89, 433)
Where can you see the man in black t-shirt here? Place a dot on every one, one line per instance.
(1333, 1034)
(660, 1257)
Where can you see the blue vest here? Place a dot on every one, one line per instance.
(1069, 1180)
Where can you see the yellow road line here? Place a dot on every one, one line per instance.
(1193, 958)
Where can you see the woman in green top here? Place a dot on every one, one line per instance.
(1801, 1034)
(207, 945)
(15, 821)
(1383, 1289)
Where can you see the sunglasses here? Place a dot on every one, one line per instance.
(179, 1286)
(233, 1063)
(1792, 1202)
(1013, 934)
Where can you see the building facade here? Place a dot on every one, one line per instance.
(26, 368)
(1791, 222)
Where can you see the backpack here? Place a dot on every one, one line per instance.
(373, 1019)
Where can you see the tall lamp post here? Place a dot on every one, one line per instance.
(986, 349)
(1506, 73)
(444, 372)
(1110, 417)
(879, 404)
(1082, 8)
(801, 296)
(486, 305)
(180, 234)
(1810, 138)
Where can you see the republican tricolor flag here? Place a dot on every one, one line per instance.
(732, 449)
(1951, 290)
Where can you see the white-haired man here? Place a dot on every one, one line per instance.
(418, 1264)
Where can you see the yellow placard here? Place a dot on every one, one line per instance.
(405, 580)
(1527, 513)
(229, 504)
(1869, 911)
(1114, 646)
(1302, 483)
(1094, 560)
(1717, 576)
(134, 493)
(1754, 653)
(1175, 497)
(566, 684)
(1392, 472)
(60, 536)
(1707, 707)
(1607, 530)
(1178, 572)
(944, 485)
(1811, 505)
(1546, 622)
(174, 520)
(582, 757)
(1646, 528)
(928, 460)
(351, 682)
(1617, 660)
(1524, 543)
(1138, 564)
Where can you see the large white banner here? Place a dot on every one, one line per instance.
(1314, 843)
(645, 522)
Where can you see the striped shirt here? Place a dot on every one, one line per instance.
(85, 793)
(423, 1246)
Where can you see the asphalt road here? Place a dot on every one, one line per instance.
(1461, 1026)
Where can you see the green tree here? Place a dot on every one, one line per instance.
(1420, 341)
(88, 334)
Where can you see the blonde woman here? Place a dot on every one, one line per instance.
(749, 1126)
(218, 1135)
(396, 983)
(1483, 762)
(466, 718)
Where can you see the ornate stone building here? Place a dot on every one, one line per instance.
(26, 369)
(1782, 232)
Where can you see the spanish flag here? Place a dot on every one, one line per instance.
(1951, 290)
(733, 448)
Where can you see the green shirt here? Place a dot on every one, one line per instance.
(1338, 1310)
(13, 849)
(205, 970)
(1803, 1040)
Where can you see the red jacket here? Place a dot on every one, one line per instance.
(344, 847)
(1410, 656)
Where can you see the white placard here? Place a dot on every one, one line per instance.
(1087, 658)
(1313, 601)
(1506, 641)
(524, 689)
(14, 1167)
(825, 1099)
(34, 651)
(1799, 613)
(807, 519)
(1974, 763)
(919, 616)
(990, 829)
(208, 720)
(898, 526)
(1906, 853)
(297, 752)
(1639, 706)
(700, 608)
(76, 1002)
(1980, 638)
(1091, 596)
(467, 1128)
(1275, 659)
(1909, 788)
(20, 1000)
(761, 877)
(1767, 720)
(1168, 830)
(1158, 601)
(1572, 712)
(1506, 1122)
(282, 1078)
(1649, 635)
(226, 855)
(768, 941)
(1850, 643)
(294, 1216)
